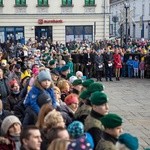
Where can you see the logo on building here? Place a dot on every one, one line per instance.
(42, 21)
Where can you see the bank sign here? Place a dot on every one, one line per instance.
(44, 21)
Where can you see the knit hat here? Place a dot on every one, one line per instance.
(79, 73)
(85, 95)
(52, 62)
(76, 129)
(79, 144)
(111, 121)
(87, 82)
(71, 98)
(25, 75)
(72, 79)
(98, 98)
(77, 82)
(44, 75)
(129, 141)
(64, 68)
(43, 98)
(96, 86)
(8, 122)
(55, 72)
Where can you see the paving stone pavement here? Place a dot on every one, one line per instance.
(130, 98)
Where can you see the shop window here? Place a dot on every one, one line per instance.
(79, 33)
(1, 3)
(43, 3)
(67, 3)
(89, 2)
(20, 3)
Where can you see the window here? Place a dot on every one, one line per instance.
(79, 33)
(89, 2)
(66, 2)
(20, 2)
(1, 3)
(42, 2)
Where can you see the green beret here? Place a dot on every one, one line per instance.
(129, 141)
(77, 82)
(111, 121)
(87, 82)
(98, 98)
(64, 68)
(85, 95)
(69, 75)
(96, 86)
(52, 62)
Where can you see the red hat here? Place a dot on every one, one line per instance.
(12, 82)
(71, 98)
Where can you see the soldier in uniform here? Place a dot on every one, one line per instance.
(113, 128)
(100, 108)
(84, 108)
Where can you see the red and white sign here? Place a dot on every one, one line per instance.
(42, 21)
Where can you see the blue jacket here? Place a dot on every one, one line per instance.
(31, 99)
(129, 63)
(135, 64)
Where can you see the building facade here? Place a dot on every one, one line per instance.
(138, 18)
(59, 20)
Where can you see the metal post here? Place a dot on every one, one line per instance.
(126, 39)
(126, 6)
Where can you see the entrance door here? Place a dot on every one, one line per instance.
(43, 32)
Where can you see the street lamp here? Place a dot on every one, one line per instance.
(126, 6)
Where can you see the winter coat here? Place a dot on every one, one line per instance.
(11, 101)
(36, 90)
(82, 112)
(4, 91)
(67, 114)
(99, 62)
(30, 117)
(117, 61)
(8, 144)
(93, 120)
(106, 142)
(129, 63)
(135, 64)
(19, 110)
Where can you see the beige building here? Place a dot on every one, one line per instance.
(60, 20)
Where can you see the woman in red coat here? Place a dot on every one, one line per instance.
(117, 64)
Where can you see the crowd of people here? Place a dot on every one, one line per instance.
(49, 101)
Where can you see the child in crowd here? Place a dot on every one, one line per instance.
(130, 66)
(43, 84)
(142, 68)
(136, 67)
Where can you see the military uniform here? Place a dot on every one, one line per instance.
(107, 142)
(93, 120)
(83, 112)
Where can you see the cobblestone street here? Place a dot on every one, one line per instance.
(130, 98)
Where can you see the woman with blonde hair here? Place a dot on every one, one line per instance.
(64, 87)
(59, 144)
(53, 119)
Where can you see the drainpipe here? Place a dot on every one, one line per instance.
(104, 19)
